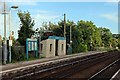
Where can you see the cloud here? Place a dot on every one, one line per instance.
(42, 11)
(40, 18)
(35, 2)
(2, 25)
(62, 0)
(22, 0)
(0, 6)
(112, 0)
(24, 3)
(111, 17)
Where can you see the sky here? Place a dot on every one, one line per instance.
(103, 14)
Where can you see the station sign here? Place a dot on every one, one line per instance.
(10, 42)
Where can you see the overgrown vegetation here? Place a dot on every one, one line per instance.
(17, 56)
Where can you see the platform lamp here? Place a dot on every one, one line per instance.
(71, 36)
(5, 40)
(10, 33)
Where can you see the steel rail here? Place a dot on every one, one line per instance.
(59, 66)
(104, 69)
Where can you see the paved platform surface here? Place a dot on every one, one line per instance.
(43, 60)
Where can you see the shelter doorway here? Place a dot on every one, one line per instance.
(56, 47)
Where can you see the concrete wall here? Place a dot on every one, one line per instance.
(49, 46)
(61, 47)
(46, 51)
(50, 43)
(43, 49)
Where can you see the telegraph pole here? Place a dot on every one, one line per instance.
(70, 34)
(64, 25)
(5, 41)
(40, 51)
(49, 24)
(9, 34)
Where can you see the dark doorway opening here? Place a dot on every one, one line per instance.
(56, 47)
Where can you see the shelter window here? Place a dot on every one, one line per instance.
(41, 47)
(50, 47)
(62, 47)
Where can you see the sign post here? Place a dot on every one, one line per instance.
(31, 45)
(10, 45)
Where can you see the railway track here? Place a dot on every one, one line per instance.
(67, 68)
(57, 68)
(77, 69)
(107, 72)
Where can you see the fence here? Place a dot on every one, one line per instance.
(19, 49)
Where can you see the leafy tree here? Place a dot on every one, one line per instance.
(89, 33)
(106, 36)
(116, 36)
(26, 26)
(119, 42)
(114, 42)
(85, 34)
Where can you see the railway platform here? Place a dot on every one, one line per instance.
(60, 66)
(27, 64)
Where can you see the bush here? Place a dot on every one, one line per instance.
(17, 56)
(80, 48)
(119, 45)
(83, 48)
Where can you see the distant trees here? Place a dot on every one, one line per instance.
(116, 40)
(26, 26)
(106, 36)
(89, 33)
(85, 35)
(119, 42)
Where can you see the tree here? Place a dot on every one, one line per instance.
(114, 42)
(85, 34)
(26, 26)
(58, 30)
(119, 42)
(89, 33)
(106, 36)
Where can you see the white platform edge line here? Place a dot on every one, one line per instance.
(33, 65)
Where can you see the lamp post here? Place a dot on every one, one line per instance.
(12, 7)
(38, 37)
(70, 46)
(40, 44)
(5, 41)
(10, 33)
(70, 35)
